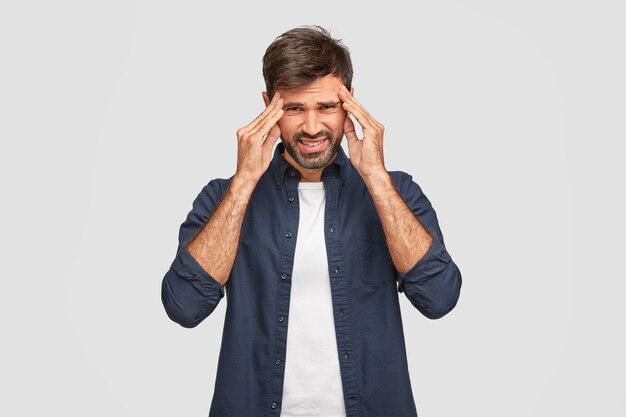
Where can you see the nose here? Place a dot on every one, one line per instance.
(311, 123)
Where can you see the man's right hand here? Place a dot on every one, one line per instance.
(256, 141)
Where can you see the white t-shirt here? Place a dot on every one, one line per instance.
(312, 385)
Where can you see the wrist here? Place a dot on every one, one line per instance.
(376, 177)
(242, 184)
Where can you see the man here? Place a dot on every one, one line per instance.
(311, 249)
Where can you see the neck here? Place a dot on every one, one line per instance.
(310, 175)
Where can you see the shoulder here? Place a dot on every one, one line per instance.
(216, 187)
(211, 194)
(404, 183)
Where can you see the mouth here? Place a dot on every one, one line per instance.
(310, 146)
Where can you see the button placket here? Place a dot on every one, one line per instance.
(288, 235)
(340, 293)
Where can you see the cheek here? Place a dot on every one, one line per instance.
(334, 122)
(287, 127)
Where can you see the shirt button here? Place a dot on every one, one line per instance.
(281, 318)
(336, 270)
(288, 235)
(283, 276)
(340, 313)
(332, 229)
(291, 199)
(292, 173)
(346, 355)
(274, 405)
(277, 362)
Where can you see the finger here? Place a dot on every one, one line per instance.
(349, 131)
(359, 115)
(274, 105)
(353, 106)
(265, 126)
(347, 97)
(272, 137)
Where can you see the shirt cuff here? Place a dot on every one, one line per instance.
(433, 262)
(186, 266)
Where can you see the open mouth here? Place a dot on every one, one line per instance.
(309, 146)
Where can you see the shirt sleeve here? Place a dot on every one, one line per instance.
(189, 294)
(433, 284)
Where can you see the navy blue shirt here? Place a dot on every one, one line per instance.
(364, 285)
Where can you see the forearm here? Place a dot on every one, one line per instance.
(407, 239)
(215, 246)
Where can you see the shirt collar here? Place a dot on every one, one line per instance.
(280, 167)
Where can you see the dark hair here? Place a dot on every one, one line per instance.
(299, 56)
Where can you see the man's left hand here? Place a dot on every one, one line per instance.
(366, 154)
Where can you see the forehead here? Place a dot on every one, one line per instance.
(322, 89)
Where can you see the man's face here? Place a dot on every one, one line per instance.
(312, 126)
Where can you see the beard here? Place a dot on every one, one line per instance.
(312, 160)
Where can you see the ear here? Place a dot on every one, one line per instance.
(352, 90)
(266, 98)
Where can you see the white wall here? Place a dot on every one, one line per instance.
(114, 114)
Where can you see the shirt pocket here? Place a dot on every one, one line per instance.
(374, 259)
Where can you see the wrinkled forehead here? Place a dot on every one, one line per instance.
(323, 89)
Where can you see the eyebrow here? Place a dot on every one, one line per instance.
(321, 103)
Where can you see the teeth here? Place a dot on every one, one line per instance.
(312, 144)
